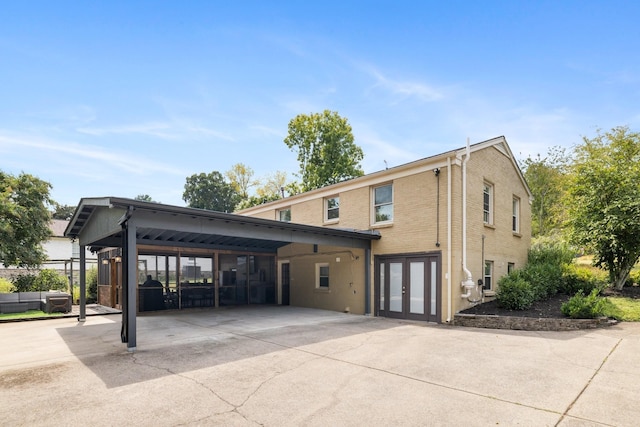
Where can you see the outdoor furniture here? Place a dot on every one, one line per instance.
(47, 301)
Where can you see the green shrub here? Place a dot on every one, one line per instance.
(545, 278)
(550, 252)
(49, 279)
(46, 280)
(6, 286)
(25, 282)
(92, 285)
(514, 292)
(584, 278)
(580, 306)
(635, 276)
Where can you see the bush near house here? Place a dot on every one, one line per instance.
(585, 307)
(550, 270)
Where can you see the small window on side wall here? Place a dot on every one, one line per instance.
(332, 208)
(383, 203)
(510, 267)
(284, 215)
(488, 275)
(322, 276)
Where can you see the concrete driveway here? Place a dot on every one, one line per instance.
(278, 366)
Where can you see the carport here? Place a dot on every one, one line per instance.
(113, 222)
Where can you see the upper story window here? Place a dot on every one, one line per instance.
(284, 215)
(383, 203)
(515, 217)
(487, 203)
(332, 208)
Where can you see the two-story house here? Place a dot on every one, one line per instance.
(417, 241)
(446, 222)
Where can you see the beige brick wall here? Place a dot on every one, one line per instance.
(346, 290)
(414, 228)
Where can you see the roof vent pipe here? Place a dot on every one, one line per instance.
(467, 284)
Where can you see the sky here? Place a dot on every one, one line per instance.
(124, 98)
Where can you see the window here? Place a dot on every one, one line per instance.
(383, 203)
(331, 208)
(515, 217)
(510, 267)
(322, 276)
(487, 203)
(284, 215)
(488, 275)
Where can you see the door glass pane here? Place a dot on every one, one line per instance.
(434, 276)
(381, 282)
(416, 287)
(395, 286)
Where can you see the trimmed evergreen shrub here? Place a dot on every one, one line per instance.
(514, 292)
(545, 278)
(580, 306)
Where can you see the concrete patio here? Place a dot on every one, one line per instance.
(276, 366)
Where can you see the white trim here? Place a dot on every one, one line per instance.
(319, 265)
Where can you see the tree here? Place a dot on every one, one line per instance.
(326, 151)
(63, 212)
(210, 191)
(604, 195)
(24, 219)
(240, 178)
(145, 198)
(546, 178)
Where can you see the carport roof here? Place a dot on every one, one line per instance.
(160, 224)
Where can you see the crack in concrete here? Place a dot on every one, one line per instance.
(566, 412)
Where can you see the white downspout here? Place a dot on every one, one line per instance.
(468, 282)
(449, 302)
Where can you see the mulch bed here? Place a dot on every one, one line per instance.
(549, 308)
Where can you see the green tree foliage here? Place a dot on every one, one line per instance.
(546, 177)
(210, 191)
(604, 195)
(63, 212)
(325, 147)
(24, 219)
(45, 280)
(240, 177)
(145, 198)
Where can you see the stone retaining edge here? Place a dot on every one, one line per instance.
(529, 323)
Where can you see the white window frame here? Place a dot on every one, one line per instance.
(282, 211)
(375, 206)
(319, 267)
(515, 215)
(328, 209)
(488, 274)
(487, 205)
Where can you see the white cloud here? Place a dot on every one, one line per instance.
(30, 146)
(173, 130)
(403, 89)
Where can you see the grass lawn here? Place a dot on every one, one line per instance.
(28, 315)
(625, 309)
